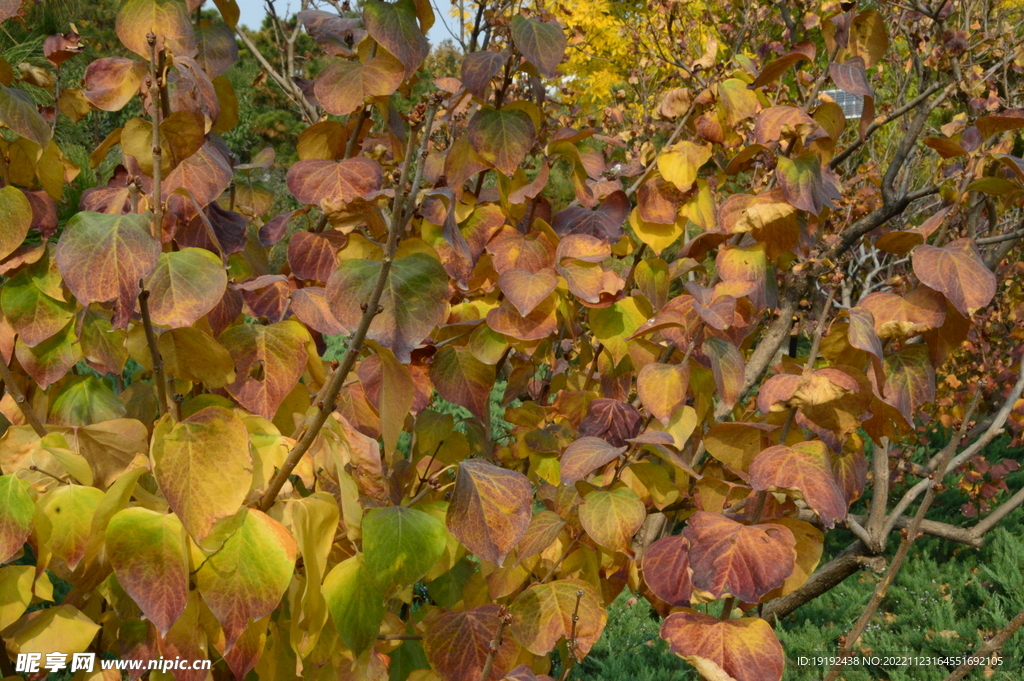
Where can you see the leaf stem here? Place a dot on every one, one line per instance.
(727, 606)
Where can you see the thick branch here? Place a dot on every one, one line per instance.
(154, 351)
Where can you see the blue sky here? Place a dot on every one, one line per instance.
(253, 12)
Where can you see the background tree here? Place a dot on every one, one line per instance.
(711, 323)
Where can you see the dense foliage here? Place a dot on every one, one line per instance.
(703, 322)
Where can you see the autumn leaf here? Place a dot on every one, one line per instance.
(957, 271)
(394, 26)
(544, 614)
(542, 43)
(148, 551)
(203, 467)
(458, 644)
(666, 569)
(803, 470)
(269, 360)
(246, 576)
(313, 180)
(184, 286)
(490, 509)
(746, 561)
(612, 518)
(413, 300)
(462, 379)
(680, 163)
(743, 649)
(586, 455)
(103, 257)
(502, 137)
(16, 513)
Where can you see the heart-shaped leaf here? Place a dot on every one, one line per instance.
(746, 561)
(413, 301)
(541, 42)
(184, 286)
(103, 257)
(502, 137)
(490, 509)
(203, 467)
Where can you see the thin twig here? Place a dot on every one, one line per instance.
(327, 397)
(492, 651)
(990, 648)
(154, 351)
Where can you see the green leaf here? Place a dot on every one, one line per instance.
(33, 303)
(502, 137)
(16, 514)
(541, 42)
(394, 26)
(16, 218)
(490, 509)
(19, 113)
(64, 520)
(203, 467)
(246, 578)
(149, 554)
(356, 605)
(413, 300)
(612, 325)
(400, 545)
(269, 360)
(184, 286)
(103, 257)
(84, 400)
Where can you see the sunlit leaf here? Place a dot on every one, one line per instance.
(400, 545)
(184, 286)
(586, 455)
(612, 518)
(543, 614)
(168, 20)
(248, 574)
(355, 603)
(805, 471)
(344, 86)
(203, 467)
(16, 514)
(269, 360)
(957, 271)
(746, 561)
(148, 551)
(743, 649)
(64, 519)
(679, 164)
